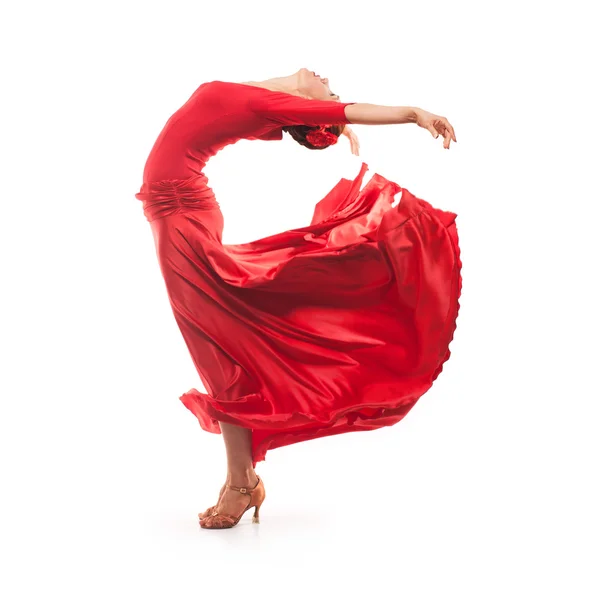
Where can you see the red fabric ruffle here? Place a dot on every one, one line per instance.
(335, 327)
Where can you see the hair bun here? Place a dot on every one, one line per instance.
(315, 138)
(321, 138)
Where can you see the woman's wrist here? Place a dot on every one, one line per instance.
(407, 114)
(414, 114)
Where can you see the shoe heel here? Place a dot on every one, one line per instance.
(255, 518)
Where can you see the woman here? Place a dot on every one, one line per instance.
(334, 327)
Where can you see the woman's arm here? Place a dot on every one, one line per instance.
(362, 113)
(280, 108)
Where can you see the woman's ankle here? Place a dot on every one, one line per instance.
(241, 477)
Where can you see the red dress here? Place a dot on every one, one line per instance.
(337, 326)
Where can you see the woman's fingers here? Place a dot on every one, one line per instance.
(446, 130)
(436, 124)
(450, 129)
(447, 139)
(354, 143)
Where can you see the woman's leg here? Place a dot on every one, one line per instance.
(240, 472)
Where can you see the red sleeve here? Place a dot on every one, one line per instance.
(281, 108)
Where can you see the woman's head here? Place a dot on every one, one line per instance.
(311, 85)
(314, 86)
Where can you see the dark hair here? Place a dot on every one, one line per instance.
(299, 132)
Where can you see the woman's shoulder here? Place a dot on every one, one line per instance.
(253, 96)
(219, 90)
(241, 86)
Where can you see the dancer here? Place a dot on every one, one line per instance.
(338, 326)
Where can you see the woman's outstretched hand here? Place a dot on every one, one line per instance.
(354, 144)
(435, 125)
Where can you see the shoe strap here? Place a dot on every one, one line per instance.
(244, 490)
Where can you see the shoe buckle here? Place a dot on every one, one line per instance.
(243, 490)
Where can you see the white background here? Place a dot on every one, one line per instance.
(487, 489)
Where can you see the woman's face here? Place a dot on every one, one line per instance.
(314, 86)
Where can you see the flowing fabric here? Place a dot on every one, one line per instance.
(338, 326)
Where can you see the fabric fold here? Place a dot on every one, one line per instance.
(338, 326)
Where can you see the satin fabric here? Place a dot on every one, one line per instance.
(338, 326)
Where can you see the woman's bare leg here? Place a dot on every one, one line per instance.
(240, 472)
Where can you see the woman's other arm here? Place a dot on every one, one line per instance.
(361, 113)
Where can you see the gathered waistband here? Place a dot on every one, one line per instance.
(172, 196)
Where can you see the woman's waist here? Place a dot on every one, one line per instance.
(194, 185)
(167, 196)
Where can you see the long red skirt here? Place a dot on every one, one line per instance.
(338, 326)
